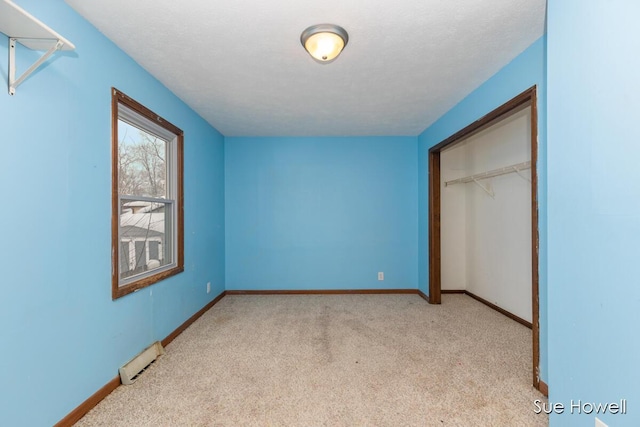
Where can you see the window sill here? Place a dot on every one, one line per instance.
(120, 291)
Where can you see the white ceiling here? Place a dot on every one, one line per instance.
(241, 66)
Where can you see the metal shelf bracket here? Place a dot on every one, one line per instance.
(21, 27)
(517, 170)
(13, 82)
(489, 192)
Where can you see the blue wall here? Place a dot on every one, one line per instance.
(594, 206)
(62, 336)
(321, 213)
(526, 70)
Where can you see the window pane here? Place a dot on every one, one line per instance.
(142, 167)
(124, 257)
(154, 249)
(145, 236)
(141, 256)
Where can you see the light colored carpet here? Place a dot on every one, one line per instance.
(336, 360)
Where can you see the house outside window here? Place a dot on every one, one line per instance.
(147, 197)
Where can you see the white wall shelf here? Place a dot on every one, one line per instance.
(517, 168)
(22, 27)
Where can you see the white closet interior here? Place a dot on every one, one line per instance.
(486, 214)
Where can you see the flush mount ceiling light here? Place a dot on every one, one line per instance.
(324, 42)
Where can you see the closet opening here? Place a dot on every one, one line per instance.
(483, 215)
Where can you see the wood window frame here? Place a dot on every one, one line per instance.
(117, 291)
(526, 98)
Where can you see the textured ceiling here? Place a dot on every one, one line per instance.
(241, 66)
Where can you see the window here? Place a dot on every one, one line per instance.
(147, 213)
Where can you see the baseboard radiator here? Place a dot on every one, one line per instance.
(130, 372)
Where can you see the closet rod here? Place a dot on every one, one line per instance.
(490, 174)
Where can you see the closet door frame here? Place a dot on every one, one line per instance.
(525, 99)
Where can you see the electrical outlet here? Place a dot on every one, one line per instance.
(208, 287)
(380, 275)
(600, 423)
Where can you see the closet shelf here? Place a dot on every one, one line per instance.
(517, 168)
(22, 27)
